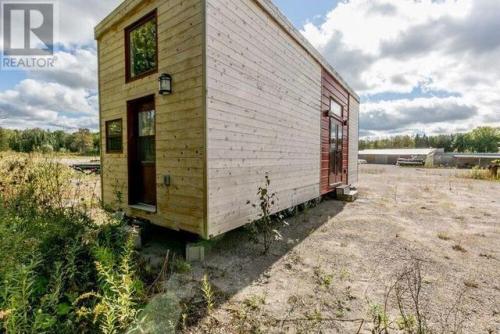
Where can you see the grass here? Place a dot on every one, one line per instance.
(67, 266)
(459, 248)
(443, 236)
(478, 173)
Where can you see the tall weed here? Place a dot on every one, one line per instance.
(52, 252)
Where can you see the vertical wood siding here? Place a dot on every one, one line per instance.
(332, 89)
(263, 114)
(353, 140)
(180, 122)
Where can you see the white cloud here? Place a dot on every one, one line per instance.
(65, 97)
(387, 47)
(34, 103)
(77, 69)
(78, 19)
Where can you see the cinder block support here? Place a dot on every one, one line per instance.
(195, 252)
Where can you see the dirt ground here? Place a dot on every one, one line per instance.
(336, 261)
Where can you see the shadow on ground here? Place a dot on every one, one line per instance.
(232, 262)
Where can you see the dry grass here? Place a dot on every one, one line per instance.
(459, 248)
(444, 236)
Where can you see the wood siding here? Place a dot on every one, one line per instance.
(180, 118)
(353, 140)
(263, 114)
(331, 89)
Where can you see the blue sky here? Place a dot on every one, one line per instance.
(385, 49)
(302, 11)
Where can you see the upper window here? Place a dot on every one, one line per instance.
(114, 142)
(142, 47)
(335, 109)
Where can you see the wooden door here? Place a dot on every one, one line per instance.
(336, 153)
(142, 151)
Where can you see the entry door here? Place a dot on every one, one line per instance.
(336, 156)
(142, 151)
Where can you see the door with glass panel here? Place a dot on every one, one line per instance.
(336, 143)
(142, 151)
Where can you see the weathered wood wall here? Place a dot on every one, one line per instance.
(180, 122)
(353, 140)
(331, 89)
(263, 114)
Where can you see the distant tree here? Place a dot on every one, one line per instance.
(484, 140)
(459, 142)
(96, 138)
(82, 141)
(4, 139)
(59, 140)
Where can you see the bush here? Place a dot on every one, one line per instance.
(58, 265)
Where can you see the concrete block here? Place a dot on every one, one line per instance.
(195, 253)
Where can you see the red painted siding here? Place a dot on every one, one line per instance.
(331, 89)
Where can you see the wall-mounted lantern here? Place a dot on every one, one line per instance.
(165, 81)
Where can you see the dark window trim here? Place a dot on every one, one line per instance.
(148, 17)
(108, 150)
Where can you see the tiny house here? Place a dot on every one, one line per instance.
(200, 99)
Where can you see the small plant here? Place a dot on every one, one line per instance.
(262, 230)
(443, 236)
(208, 293)
(323, 278)
(344, 274)
(379, 318)
(255, 302)
(459, 248)
(180, 266)
(117, 305)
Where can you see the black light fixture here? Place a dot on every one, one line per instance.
(165, 81)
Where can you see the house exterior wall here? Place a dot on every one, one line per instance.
(353, 141)
(180, 121)
(263, 114)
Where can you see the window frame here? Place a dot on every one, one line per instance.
(107, 124)
(339, 117)
(153, 15)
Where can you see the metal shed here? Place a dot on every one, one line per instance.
(391, 156)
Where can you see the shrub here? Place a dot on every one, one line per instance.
(54, 256)
(263, 230)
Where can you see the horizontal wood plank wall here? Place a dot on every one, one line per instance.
(180, 134)
(263, 102)
(353, 140)
(332, 89)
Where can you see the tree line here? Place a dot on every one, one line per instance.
(82, 141)
(479, 140)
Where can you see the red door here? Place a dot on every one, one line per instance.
(142, 151)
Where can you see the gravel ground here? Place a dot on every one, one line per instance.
(336, 262)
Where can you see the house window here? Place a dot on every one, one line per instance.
(141, 45)
(114, 141)
(335, 109)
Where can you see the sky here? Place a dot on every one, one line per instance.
(422, 66)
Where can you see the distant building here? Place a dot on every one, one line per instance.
(391, 156)
(432, 157)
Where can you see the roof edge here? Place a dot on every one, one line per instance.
(267, 5)
(285, 23)
(115, 16)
